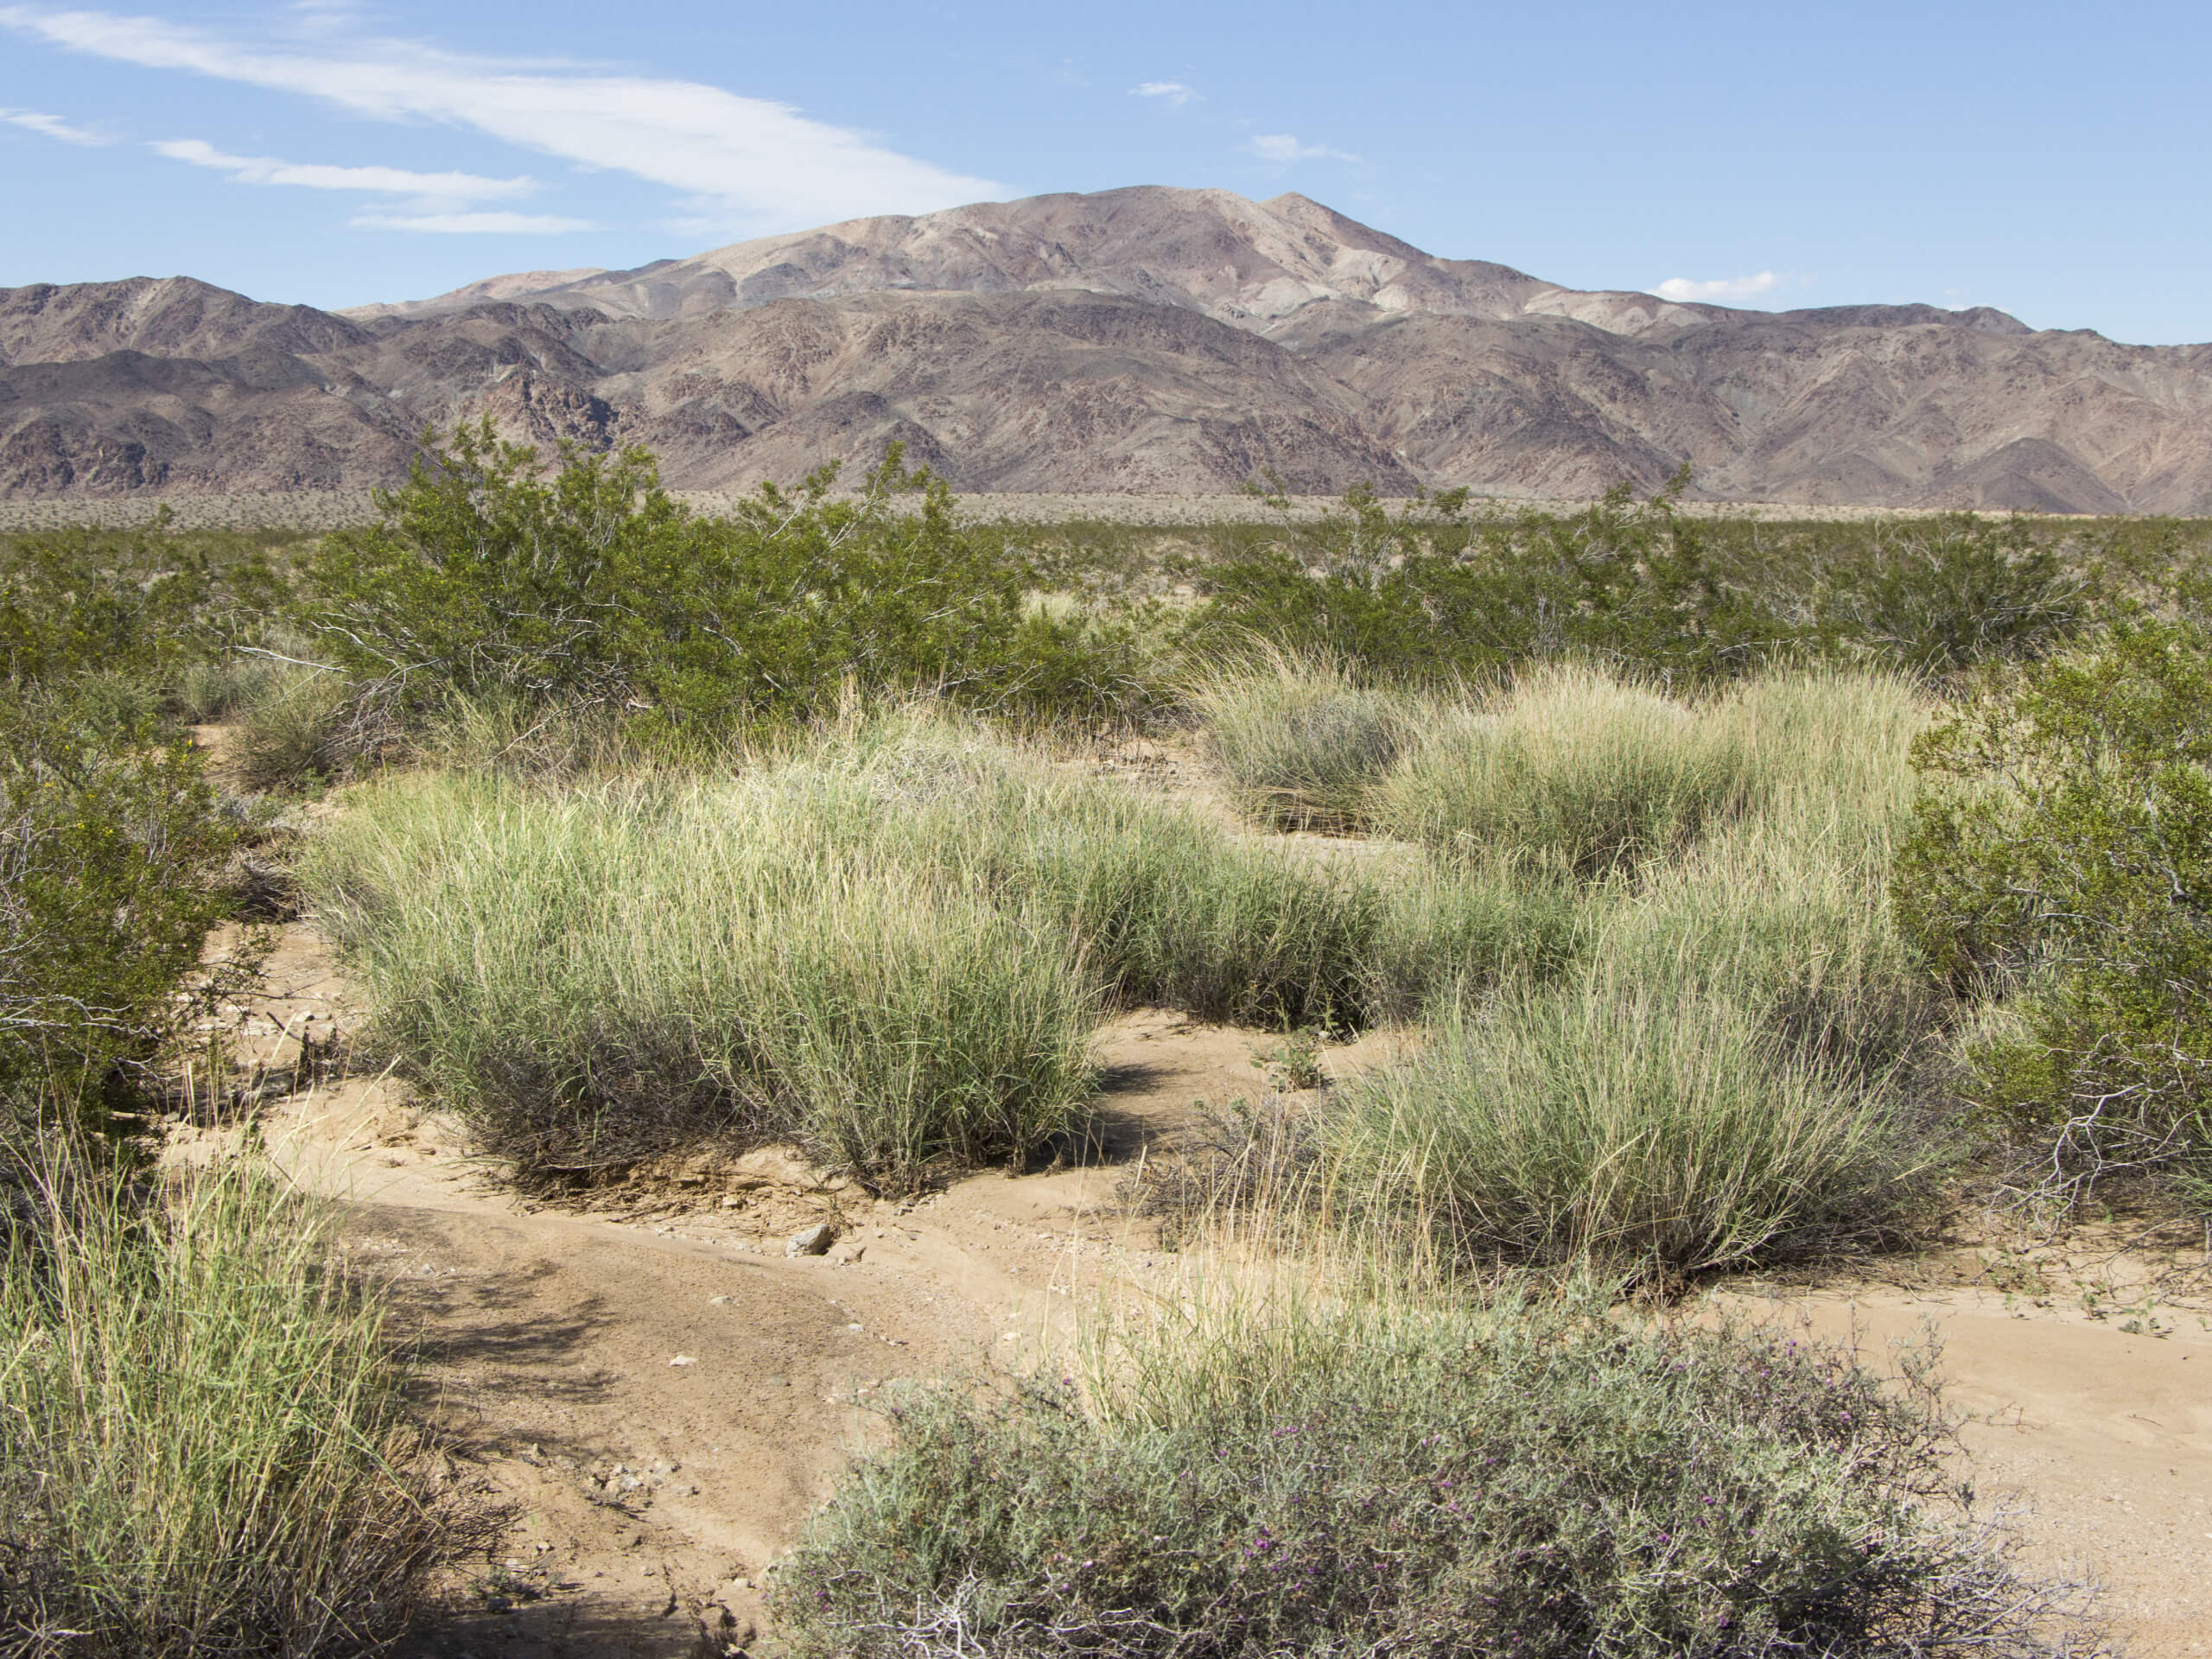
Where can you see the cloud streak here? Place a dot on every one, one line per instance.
(495, 223)
(1173, 93)
(1719, 288)
(1281, 147)
(53, 126)
(390, 180)
(759, 165)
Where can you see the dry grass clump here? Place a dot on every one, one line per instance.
(1301, 745)
(890, 941)
(289, 729)
(1570, 774)
(596, 973)
(1644, 1127)
(1716, 1065)
(202, 1442)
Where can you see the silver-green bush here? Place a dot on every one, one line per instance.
(1519, 1478)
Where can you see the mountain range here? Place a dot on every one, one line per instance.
(1145, 339)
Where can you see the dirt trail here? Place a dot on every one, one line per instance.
(2098, 1440)
(660, 1395)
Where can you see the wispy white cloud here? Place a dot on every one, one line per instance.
(389, 180)
(1719, 288)
(758, 165)
(53, 127)
(500, 224)
(1172, 92)
(1282, 147)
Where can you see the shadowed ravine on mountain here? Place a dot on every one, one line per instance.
(1148, 340)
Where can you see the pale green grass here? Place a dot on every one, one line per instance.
(1300, 744)
(1726, 1076)
(202, 1445)
(1569, 773)
(604, 972)
(1645, 1128)
(890, 941)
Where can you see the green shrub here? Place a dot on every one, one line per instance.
(1511, 1479)
(203, 1445)
(2064, 848)
(1570, 774)
(112, 870)
(1965, 590)
(1645, 1127)
(145, 607)
(1427, 596)
(593, 586)
(1301, 746)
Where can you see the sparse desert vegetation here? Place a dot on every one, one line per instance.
(1733, 897)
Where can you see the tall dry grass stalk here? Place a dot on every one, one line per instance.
(203, 1447)
(1301, 745)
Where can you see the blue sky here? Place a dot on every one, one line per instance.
(2050, 159)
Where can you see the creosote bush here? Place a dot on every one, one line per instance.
(203, 1445)
(2063, 857)
(113, 857)
(593, 586)
(1509, 1478)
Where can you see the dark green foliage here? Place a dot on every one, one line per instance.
(1426, 595)
(593, 586)
(1524, 1483)
(2067, 840)
(112, 855)
(128, 612)
(1965, 590)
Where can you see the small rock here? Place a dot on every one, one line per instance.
(684, 1359)
(815, 1241)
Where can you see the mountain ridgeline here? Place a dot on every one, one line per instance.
(1144, 340)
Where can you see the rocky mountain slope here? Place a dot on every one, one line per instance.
(1145, 339)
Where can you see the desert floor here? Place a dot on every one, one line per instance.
(657, 1394)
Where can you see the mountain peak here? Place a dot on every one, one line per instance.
(1141, 340)
(1252, 264)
